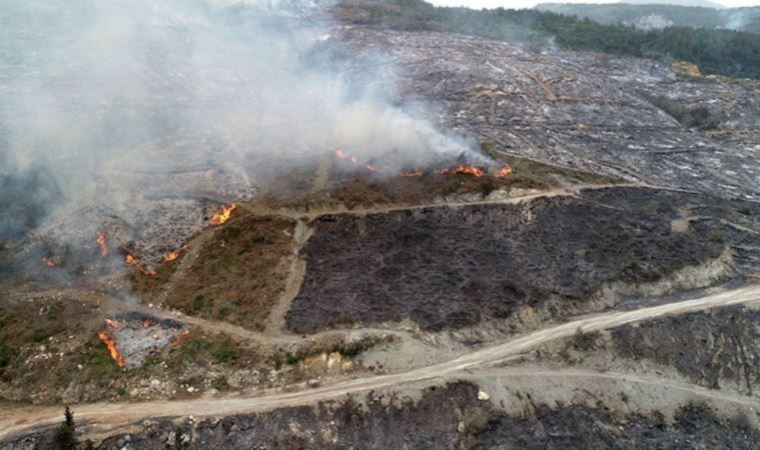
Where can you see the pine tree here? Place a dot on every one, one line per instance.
(64, 437)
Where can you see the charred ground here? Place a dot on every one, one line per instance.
(450, 267)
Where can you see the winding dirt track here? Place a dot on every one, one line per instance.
(111, 416)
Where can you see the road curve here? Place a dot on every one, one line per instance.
(111, 416)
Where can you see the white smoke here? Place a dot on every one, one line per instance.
(106, 95)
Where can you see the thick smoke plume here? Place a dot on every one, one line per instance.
(113, 110)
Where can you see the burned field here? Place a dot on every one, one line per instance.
(448, 267)
(713, 349)
(133, 337)
(607, 115)
(344, 181)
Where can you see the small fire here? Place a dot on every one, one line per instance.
(171, 256)
(48, 261)
(111, 345)
(131, 260)
(345, 155)
(462, 169)
(503, 172)
(223, 215)
(178, 341)
(102, 241)
(112, 323)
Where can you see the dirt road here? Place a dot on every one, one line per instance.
(110, 416)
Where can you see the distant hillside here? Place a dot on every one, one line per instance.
(694, 3)
(715, 51)
(651, 16)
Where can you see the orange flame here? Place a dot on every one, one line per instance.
(111, 345)
(178, 341)
(223, 215)
(503, 172)
(102, 241)
(112, 323)
(462, 169)
(345, 155)
(171, 256)
(48, 261)
(136, 264)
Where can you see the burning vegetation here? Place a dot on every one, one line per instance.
(463, 169)
(171, 256)
(223, 215)
(110, 343)
(132, 337)
(132, 261)
(102, 241)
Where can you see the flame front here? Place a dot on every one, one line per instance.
(503, 172)
(136, 264)
(112, 323)
(111, 345)
(102, 241)
(223, 215)
(462, 169)
(171, 256)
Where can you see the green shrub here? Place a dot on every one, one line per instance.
(225, 353)
(581, 340)
(6, 355)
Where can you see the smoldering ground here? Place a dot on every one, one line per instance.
(137, 118)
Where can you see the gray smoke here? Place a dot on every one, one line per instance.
(115, 109)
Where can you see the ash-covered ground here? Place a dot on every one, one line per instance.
(720, 347)
(589, 111)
